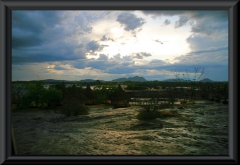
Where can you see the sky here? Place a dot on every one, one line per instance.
(111, 44)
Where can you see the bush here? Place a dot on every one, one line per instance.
(152, 112)
(51, 97)
(191, 102)
(164, 105)
(73, 107)
(168, 113)
(144, 114)
(183, 102)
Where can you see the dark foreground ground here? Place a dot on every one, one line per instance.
(198, 129)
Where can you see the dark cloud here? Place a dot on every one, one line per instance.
(26, 41)
(155, 62)
(101, 63)
(159, 41)
(209, 26)
(167, 22)
(217, 56)
(59, 68)
(220, 15)
(207, 22)
(39, 58)
(41, 36)
(209, 50)
(55, 51)
(104, 38)
(50, 36)
(83, 23)
(103, 57)
(140, 55)
(121, 70)
(106, 64)
(125, 65)
(200, 42)
(94, 46)
(130, 21)
(28, 30)
(181, 22)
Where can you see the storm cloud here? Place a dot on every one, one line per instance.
(141, 55)
(166, 22)
(203, 22)
(130, 21)
(111, 44)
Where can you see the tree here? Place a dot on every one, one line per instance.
(51, 97)
(33, 94)
(102, 92)
(18, 92)
(35, 91)
(192, 78)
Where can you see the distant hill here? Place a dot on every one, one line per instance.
(53, 81)
(136, 78)
(173, 80)
(87, 80)
(182, 80)
(120, 79)
(133, 79)
(206, 80)
(90, 80)
(124, 79)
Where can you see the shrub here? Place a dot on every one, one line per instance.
(191, 102)
(51, 97)
(164, 105)
(168, 113)
(73, 107)
(144, 114)
(183, 102)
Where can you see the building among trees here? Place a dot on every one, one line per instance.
(90, 95)
(120, 98)
(73, 94)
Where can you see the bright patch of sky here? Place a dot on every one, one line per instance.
(105, 45)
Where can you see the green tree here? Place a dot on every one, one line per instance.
(18, 92)
(51, 97)
(103, 92)
(33, 94)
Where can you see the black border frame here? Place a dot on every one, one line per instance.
(6, 6)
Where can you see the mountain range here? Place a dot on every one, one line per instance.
(124, 79)
(182, 80)
(133, 79)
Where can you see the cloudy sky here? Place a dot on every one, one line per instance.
(105, 45)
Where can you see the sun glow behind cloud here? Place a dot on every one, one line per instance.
(110, 44)
(173, 42)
